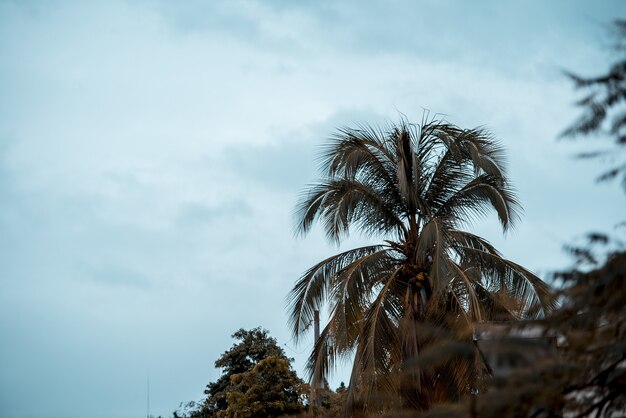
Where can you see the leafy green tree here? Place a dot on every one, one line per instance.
(270, 389)
(254, 364)
(414, 187)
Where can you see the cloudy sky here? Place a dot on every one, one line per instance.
(151, 154)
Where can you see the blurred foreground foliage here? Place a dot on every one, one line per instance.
(587, 376)
(604, 108)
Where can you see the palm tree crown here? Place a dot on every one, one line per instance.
(414, 187)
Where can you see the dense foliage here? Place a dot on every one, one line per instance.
(270, 389)
(257, 380)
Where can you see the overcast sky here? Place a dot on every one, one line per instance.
(151, 155)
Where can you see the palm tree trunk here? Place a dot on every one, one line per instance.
(411, 376)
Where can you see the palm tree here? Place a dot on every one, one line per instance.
(414, 187)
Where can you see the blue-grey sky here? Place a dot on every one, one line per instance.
(151, 154)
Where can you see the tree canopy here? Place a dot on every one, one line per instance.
(414, 187)
(256, 380)
(270, 389)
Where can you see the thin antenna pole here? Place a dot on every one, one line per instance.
(148, 395)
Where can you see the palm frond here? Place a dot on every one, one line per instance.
(377, 351)
(432, 249)
(323, 357)
(356, 150)
(462, 287)
(338, 203)
(467, 239)
(532, 296)
(311, 289)
(351, 292)
(477, 197)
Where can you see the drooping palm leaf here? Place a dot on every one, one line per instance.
(310, 291)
